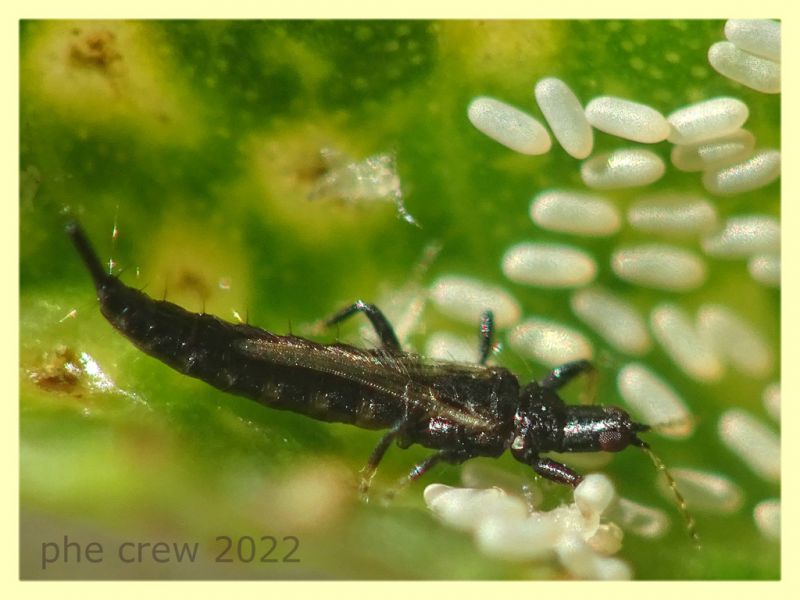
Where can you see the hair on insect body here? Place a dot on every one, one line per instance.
(458, 410)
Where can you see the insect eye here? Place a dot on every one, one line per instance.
(612, 441)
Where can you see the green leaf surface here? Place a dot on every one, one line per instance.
(199, 142)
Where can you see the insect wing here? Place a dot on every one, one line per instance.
(426, 387)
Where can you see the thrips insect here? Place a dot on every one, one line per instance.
(460, 411)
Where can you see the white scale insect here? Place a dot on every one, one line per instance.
(616, 320)
(755, 172)
(714, 154)
(576, 213)
(548, 265)
(566, 117)
(707, 120)
(504, 527)
(627, 119)
(760, 74)
(625, 168)
(672, 214)
(508, 125)
(660, 266)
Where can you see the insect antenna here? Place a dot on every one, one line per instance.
(691, 526)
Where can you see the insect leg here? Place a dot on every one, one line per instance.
(422, 467)
(555, 471)
(368, 471)
(563, 374)
(379, 322)
(487, 332)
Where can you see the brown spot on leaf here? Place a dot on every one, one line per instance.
(95, 49)
(59, 371)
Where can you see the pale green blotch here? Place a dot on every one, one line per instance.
(109, 73)
(510, 54)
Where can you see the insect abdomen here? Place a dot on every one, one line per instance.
(210, 349)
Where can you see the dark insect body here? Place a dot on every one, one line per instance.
(459, 410)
